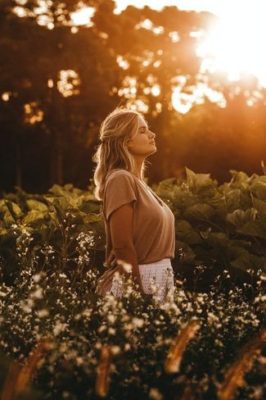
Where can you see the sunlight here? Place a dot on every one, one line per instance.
(68, 83)
(83, 16)
(235, 45)
(32, 113)
(128, 89)
(149, 25)
(183, 101)
(6, 96)
(122, 62)
(138, 105)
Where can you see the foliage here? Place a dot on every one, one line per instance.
(51, 249)
(216, 226)
(138, 331)
(47, 137)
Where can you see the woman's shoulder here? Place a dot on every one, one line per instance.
(115, 173)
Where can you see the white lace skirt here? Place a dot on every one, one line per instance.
(157, 278)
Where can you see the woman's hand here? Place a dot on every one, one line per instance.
(137, 280)
(112, 261)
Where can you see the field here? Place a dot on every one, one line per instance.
(59, 340)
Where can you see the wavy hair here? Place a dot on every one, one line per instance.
(115, 131)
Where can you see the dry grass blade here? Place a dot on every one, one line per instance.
(174, 357)
(103, 372)
(27, 371)
(234, 377)
(8, 389)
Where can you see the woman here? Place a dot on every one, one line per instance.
(139, 225)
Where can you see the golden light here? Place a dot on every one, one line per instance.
(129, 87)
(122, 62)
(174, 36)
(6, 96)
(234, 46)
(183, 101)
(50, 83)
(19, 11)
(149, 25)
(32, 113)
(156, 90)
(83, 16)
(68, 83)
(138, 105)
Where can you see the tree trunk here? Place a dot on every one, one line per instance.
(18, 165)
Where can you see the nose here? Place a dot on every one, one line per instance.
(152, 135)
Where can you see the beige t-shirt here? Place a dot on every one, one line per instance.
(153, 220)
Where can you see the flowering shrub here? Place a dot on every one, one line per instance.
(137, 330)
(72, 344)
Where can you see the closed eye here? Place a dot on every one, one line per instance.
(143, 129)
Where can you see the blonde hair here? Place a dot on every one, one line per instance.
(116, 129)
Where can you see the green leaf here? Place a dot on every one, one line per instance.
(254, 228)
(200, 210)
(259, 190)
(232, 199)
(186, 233)
(218, 239)
(260, 205)
(249, 261)
(199, 182)
(36, 205)
(240, 217)
(33, 216)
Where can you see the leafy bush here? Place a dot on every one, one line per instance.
(216, 226)
(51, 255)
(137, 330)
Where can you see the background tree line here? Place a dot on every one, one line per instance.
(58, 81)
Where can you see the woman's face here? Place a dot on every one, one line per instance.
(142, 142)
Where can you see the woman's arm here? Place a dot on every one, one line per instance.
(121, 230)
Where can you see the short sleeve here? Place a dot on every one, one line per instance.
(119, 190)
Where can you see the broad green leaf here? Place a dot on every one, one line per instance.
(36, 205)
(218, 239)
(199, 210)
(33, 216)
(232, 199)
(260, 205)
(240, 217)
(3, 231)
(259, 190)
(186, 233)
(253, 228)
(198, 182)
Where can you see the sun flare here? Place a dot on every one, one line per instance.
(234, 46)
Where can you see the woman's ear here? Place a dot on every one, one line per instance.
(128, 142)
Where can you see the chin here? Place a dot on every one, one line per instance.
(154, 151)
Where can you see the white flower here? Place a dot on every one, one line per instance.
(38, 294)
(115, 350)
(111, 318)
(36, 277)
(111, 331)
(127, 347)
(138, 322)
(86, 312)
(155, 394)
(42, 313)
(79, 361)
(59, 327)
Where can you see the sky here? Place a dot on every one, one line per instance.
(198, 5)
